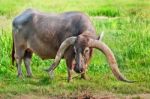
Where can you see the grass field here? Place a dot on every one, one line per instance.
(126, 24)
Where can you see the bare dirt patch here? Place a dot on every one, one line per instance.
(82, 96)
(138, 96)
(86, 96)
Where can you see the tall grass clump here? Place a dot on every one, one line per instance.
(5, 52)
(109, 11)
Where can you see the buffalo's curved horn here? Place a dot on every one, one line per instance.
(110, 57)
(65, 44)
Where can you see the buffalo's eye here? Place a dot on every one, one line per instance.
(86, 50)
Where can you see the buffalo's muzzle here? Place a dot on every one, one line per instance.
(78, 70)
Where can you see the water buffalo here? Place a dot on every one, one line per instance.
(68, 35)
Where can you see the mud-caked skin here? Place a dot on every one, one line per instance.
(69, 35)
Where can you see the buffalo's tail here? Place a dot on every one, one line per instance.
(13, 53)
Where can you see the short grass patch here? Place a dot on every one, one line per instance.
(127, 32)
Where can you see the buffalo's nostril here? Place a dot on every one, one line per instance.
(81, 70)
(76, 69)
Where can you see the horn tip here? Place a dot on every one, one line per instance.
(101, 35)
(128, 81)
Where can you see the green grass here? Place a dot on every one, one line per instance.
(127, 32)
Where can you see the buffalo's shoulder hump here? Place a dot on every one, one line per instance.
(23, 18)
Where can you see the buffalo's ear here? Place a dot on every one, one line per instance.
(100, 37)
(75, 50)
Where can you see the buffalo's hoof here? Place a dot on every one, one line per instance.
(19, 75)
(69, 80)
(29, 76)
(84, 77)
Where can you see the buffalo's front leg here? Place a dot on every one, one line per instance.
(70, 71)
(69, 56)
(83, 74)
(70, 66)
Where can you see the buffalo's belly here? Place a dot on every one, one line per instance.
(44, 51)
(44, 56)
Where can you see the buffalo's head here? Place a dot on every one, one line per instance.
(83, 50)
(82, 54)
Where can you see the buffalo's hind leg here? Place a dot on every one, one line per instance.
(18, 65)
(27, 60)
(19, 53)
